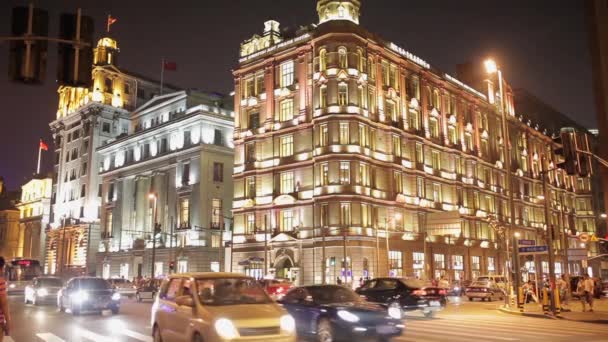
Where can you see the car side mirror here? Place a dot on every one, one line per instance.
(185, 301)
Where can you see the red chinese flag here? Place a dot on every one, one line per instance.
(170, 66)
(43, 146)
(111, 20)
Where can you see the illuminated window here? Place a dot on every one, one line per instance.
(342, 58)
(322, 60)
(491, 264)
(324, 215)
(250, 152)
(468, 141)
(436, 99)
(216, 213)
(413, 90)
(434, 127)
(435, 160)
(385, 74)
(396, 263)
(439, 260)
(250, 223)
(418, 259)
(366, 215)
(184, 212)
(345, 214)
(286, 145)
(342, 94)
(344, 172)
(286, 112)
(254, 120)
(391, 110)
(524, 163)
(287, 184)
(344, 133)
(437, 193)
(109, 222)
(324, 174)
(414, 120)
(485, 151)
(396, 146)
(250, 187)
(323, 96)
(419, 153)
(323, 135)
(420, 190)
(218, 172)
(362, 93)
(398, 178)
(364, 177)
(363, 135)
(361, 60)
(287, 74)
(286, 220)
(452, 135)
(249, 88)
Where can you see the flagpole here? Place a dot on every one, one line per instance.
(108, 23)
(39, 157)
(162, 74)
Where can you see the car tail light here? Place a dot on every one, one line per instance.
(443, 292)
(419, 293)
(484, 290)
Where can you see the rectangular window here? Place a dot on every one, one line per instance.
(105, 127)
(323, 135)
(419, 153)
(286, 220)
(344, 172)
(420, 190)
(491, 264)
(184, 212)
(250, 223)
(286, 145)
(216, 213)
(344, 133)
(345, 214)
(324, 174)
(218, 172)
(254, 121)
(395, 263)
(458, 262)
(398, 182)
(287, 74)
(437, 193)
(250, 152)
(286, 110)
(434, 127)
(343, 94)
(452, 135)
(363, 135)
(468, 141)
(215, 266)
(366, 217)
(186, 174)
(323, 97)
(362, 92)
(287, 184)
(435, 160)
(439, 260)
(250, 187)
(109, 223)
(324, 215)
(364, 177)
(418, 260)
(396, 146)
(83, 190)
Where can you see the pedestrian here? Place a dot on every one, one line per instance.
(443, 283)
(338, 281)
(5, 316)
(562, 288)
(585, 289)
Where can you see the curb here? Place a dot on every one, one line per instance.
(526, 314)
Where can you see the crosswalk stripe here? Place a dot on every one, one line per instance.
(411, 336)
(458, 333)
(48, 337)
(91, 335)
(495, 328)
(8, 339)
(555, 325)
(136, 335)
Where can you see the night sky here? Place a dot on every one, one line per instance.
(542, 46)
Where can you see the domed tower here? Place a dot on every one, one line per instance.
(106, 52)
(338, 10)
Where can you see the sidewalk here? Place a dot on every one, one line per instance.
(600, 314)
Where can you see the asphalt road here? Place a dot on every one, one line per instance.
(462, 321)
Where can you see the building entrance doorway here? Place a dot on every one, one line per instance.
(283, 268)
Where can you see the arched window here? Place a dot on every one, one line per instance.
(342, 59)
(436, 99)
(361, 60)
(341, 11)
(322, 60)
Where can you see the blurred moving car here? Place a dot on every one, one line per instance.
(336, 313)
(499, 280)
(147, 289)
(43, 290)
(408, 294)
(456, 289)
(123, 286)
(484, 290)
(276, 288)
(88, 294)
(218, 307)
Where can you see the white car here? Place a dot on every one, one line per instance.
(124, 287)
(43, 290)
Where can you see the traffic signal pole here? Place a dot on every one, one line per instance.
(550, 230)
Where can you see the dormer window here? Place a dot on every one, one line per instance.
(341, 11)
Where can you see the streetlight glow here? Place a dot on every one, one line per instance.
(152, 196)
(491, 66)
(541, 197)
(603, 215)
(517, 234)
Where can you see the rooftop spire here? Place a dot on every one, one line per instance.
(338, 10)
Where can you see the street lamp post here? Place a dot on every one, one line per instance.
(550, 230)
(492, 68)
(154, 197)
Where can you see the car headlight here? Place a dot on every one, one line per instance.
(116, 296)
(226, 329)
(42, 292)
(288, 324)
(347, 316)
(394, 311)
(12, 286)
(80, 296)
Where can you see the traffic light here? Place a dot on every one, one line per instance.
(74, 65)
(566, 153)
(584, 155)
(27, 59)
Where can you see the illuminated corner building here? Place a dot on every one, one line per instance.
(177, 157)
(87, 118)
(35, 210)
(341, 136)
(9, 222)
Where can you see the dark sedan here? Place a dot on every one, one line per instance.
(88, 294)
(336, 313)
(408, 294)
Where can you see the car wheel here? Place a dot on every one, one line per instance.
(324, 331)
(25, 301)
(115, 310)
(429, 314)
(491, 298)
(197, 338)
(156, 334)
(470, 299)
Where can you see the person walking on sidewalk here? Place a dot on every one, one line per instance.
(5, 316)
(585, 288)
(562, 288)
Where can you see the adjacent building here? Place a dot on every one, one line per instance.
(87, 118)
(354, 157)
(174, 169)
(9, 223)
(35, 211)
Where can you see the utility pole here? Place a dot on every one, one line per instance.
(154, 228)
(549, 232)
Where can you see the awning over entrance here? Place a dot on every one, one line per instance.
(250, 261)
(444, 223)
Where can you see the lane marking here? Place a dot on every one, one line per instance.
(91, 335)
(136, 335)
(458, 333)
(556, 325)
(48, 337)
(8, 339)
(495, 328)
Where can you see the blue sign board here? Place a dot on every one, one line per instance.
(533, 249)
(526, 242)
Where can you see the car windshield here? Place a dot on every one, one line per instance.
(416, 283)
(231, 291)
(50, 282)
(332, 294)
(483, 279)
(481, 284)
(94, 284)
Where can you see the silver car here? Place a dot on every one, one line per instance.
(43, 290)
(484, 290)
